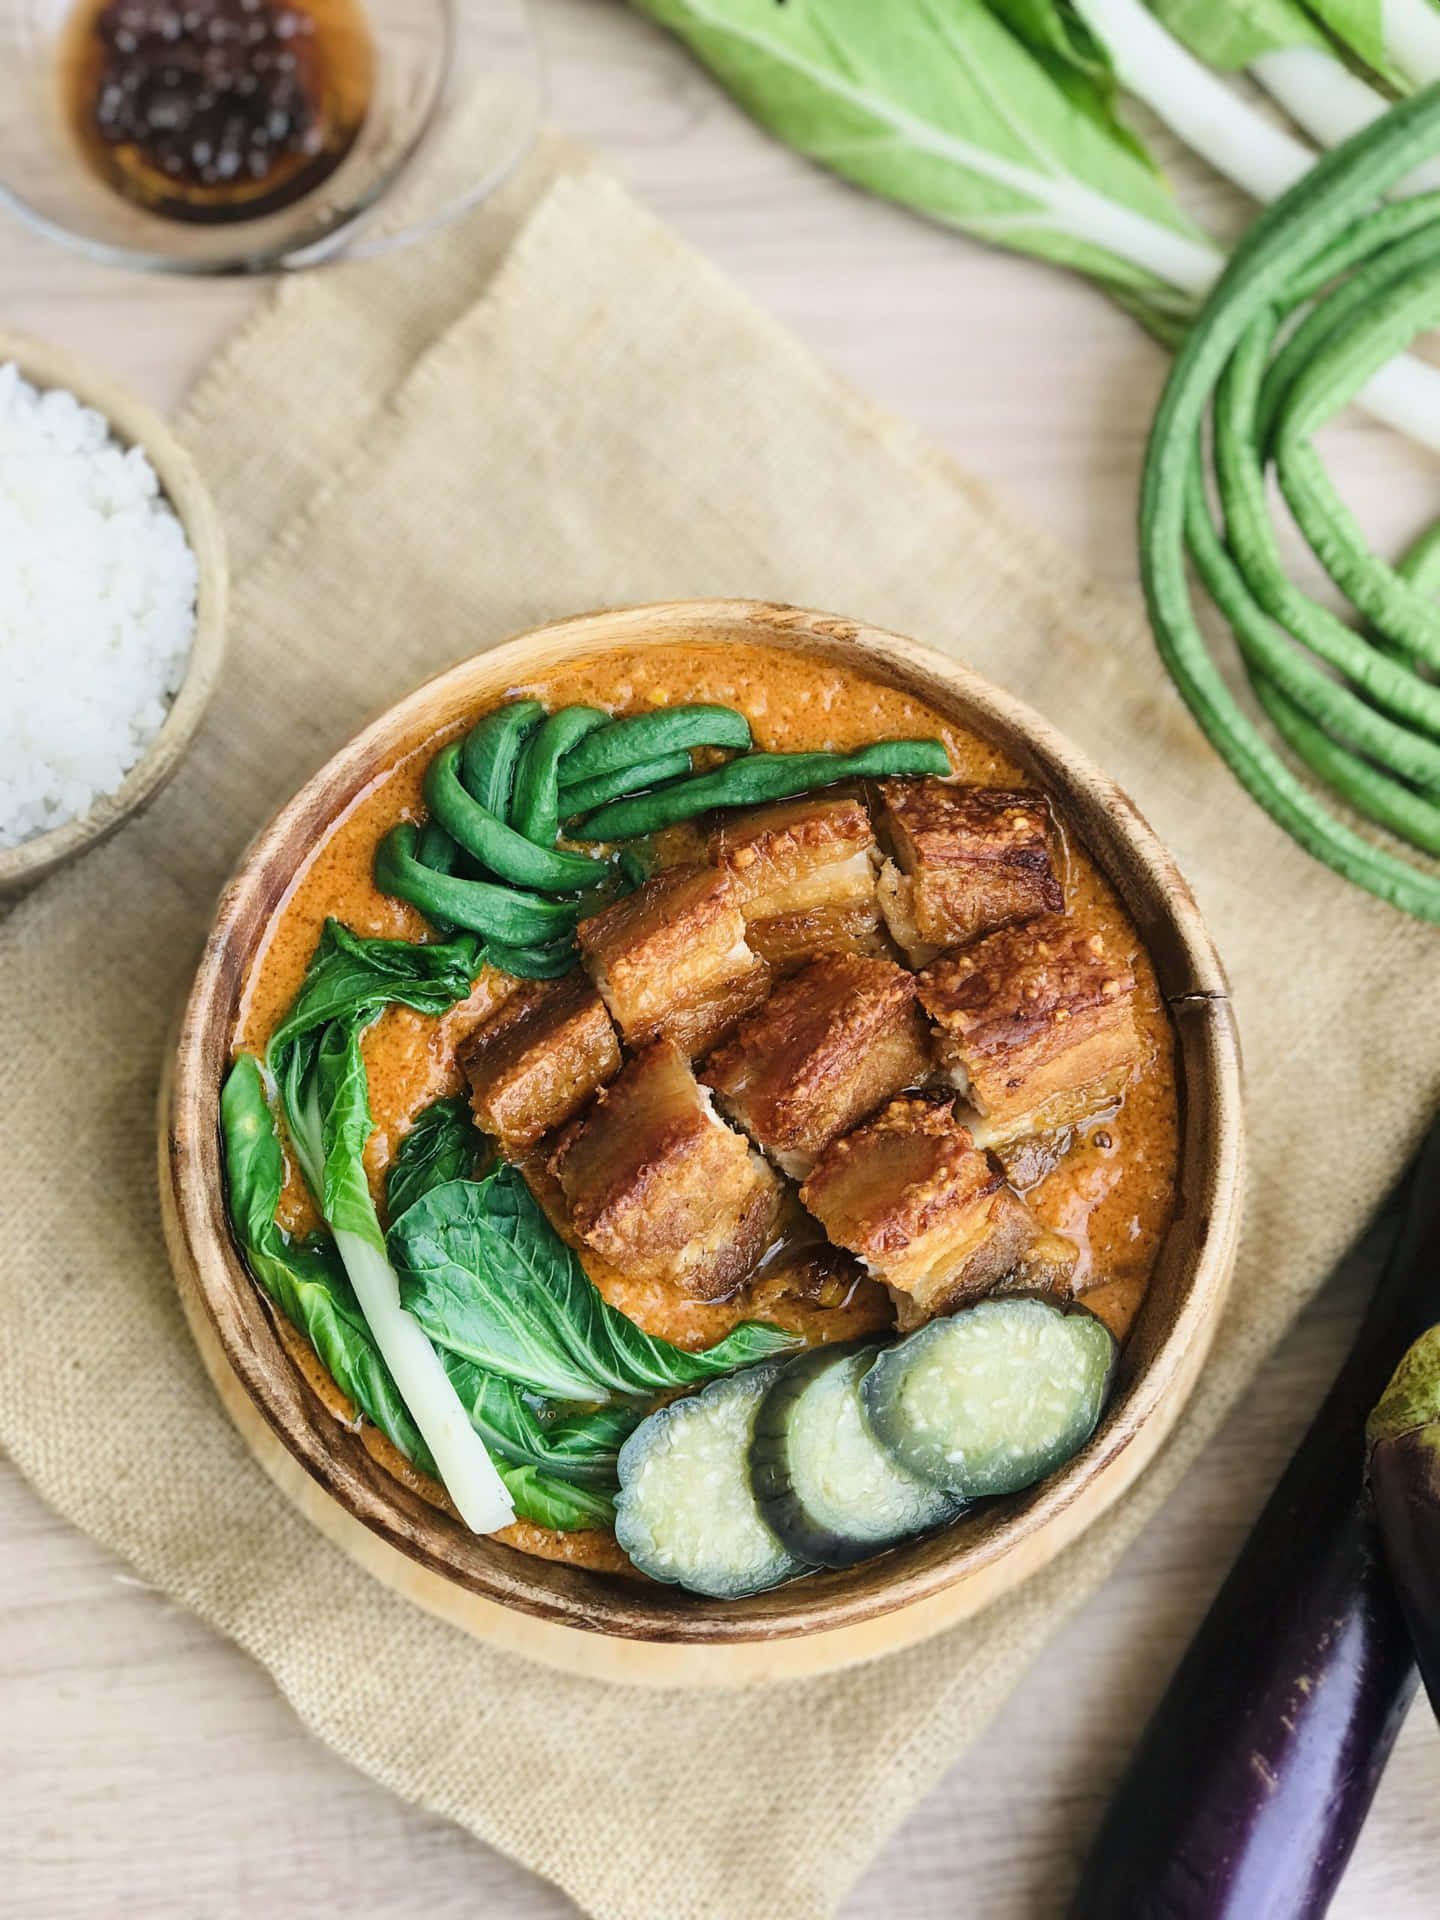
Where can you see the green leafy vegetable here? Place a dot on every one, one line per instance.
(527, 1432)
(487, 1277)
(952, 111)
(558, 1472)
(306, 1280)
(316, 1057)
(352, 979)
(443, 1144)
(557, 1503)
(1230, 34)
(1360, 24)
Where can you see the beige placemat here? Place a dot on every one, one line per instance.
(533, 414)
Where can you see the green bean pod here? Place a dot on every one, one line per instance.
(582, 796)
(507, 854)
(649, 736)
(1309, 224)
(539, 962)
(756, 778)
(498, 913)
(436, 850)
(535, 810)
(491, 749)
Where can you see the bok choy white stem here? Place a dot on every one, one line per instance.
(1240, 142)
(1411, 30)
(327, 1115)
(1181, 90)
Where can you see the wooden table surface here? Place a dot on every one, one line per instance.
(148, 1769)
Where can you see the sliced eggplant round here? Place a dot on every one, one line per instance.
(823, 1481)
(992, 1398)
(685, 1512)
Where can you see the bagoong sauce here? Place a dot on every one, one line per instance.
(1112, 1193)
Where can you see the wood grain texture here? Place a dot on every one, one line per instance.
(135, 424)
(123, 1722)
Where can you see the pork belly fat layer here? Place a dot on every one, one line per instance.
(661, 1187)
(538, 1058)
(1036, 1024)
(832, 1043)
(967, 860)
(671, 961)
(924, 1210)
(804, 876)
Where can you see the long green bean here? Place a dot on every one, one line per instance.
(1367, 789)
(505, 853)
(437, 850)
(756, 778)
(1308, 225)
(499, 913)
(584, 795)
(648, 736)
(1403, 613)
(535, 810)
(491, 749)
(1251, 538)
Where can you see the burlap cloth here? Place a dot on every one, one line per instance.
(552, 408)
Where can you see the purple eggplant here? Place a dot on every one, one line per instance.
(1404, 1468)
(1249, 1786)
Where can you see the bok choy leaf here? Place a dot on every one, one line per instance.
(307, 1282)
(525, 1431)
(948, 109)
(1399, 39)
(352, 979)
(486, 1275)
(315, 1055)
(305, 1279)
(443, 1144)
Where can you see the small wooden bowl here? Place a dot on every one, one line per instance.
(626, 1628)
(136, 425)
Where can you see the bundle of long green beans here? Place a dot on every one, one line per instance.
(1328, 286)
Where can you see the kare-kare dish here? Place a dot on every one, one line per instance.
(706, 1117)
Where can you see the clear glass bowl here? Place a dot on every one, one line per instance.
(456, 95)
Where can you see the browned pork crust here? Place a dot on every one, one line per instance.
(671, 960)
(804, 876)
(927, 1213)
(660, 1187)
(831, 1044)
(538, 1058)
(967, 860)
(1036, 1024)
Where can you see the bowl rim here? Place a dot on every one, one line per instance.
(135, 424)
(1200, 1247)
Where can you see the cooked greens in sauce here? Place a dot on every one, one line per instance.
(707, 1115)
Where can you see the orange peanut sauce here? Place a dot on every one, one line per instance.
(1112, 1193)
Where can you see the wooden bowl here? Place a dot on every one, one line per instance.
(135, 425)
(629, 1628)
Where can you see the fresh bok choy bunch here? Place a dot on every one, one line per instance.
(1003, 118)
(469, 1334)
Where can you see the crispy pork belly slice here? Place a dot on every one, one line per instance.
(1035, 1025)
(967, 860)
(922, 1207)
(671, 960)
(831, 1044)
(538, 1058)
(804, 875)
(660, 1187)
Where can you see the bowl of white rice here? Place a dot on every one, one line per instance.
(112, 607)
